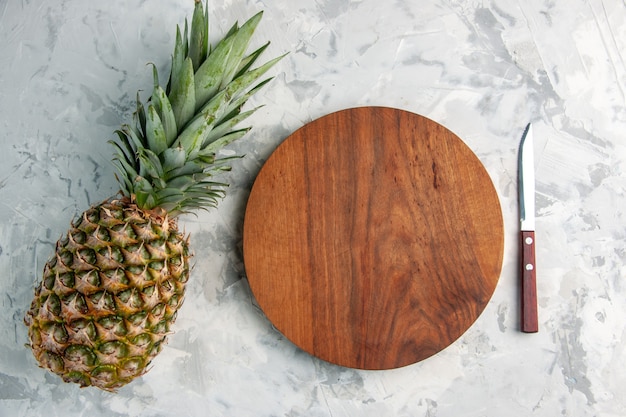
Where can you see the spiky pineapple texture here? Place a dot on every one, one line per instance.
(109, 295)
(111, 291)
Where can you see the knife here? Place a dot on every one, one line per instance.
(528, 274)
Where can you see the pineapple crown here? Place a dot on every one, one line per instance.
(167, 158)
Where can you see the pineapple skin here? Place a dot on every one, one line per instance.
(109, 295)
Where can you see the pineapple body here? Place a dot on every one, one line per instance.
(110, 292)
(109, 295)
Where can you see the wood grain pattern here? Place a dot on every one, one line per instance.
(530, 319)
(373, 238)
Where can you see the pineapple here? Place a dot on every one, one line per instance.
(111, 290)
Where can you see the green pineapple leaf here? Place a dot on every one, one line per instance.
(209, 75)
(182, 96)
(173, 158)
(226, 126)
(155, 133)
(140, 121)
(178, 57)
(199, 39)
(164, 109)
(151, 167)
(225, 140)
(240, 45)
(125, 148)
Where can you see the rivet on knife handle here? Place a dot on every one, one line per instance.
(527, 230)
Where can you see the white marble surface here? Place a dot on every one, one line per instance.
(69, 70)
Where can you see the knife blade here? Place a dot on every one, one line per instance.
(528, 276)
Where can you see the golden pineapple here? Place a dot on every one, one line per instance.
(110, 292)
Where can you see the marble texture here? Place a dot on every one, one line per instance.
(69, 71)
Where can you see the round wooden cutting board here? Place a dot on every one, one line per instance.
(373, 238)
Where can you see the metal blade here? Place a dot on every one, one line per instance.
(527, 181)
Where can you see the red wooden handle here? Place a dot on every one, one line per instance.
(529, 283)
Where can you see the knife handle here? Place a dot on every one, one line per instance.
(529, 283)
